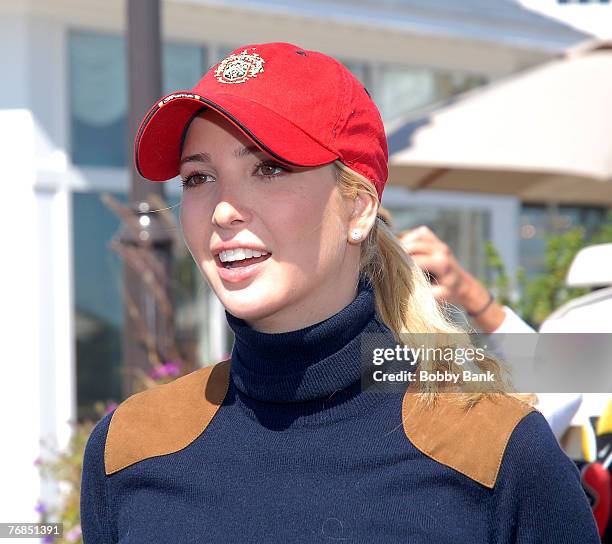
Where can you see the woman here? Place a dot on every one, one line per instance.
(283, 159)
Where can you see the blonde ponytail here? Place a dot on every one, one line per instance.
(404, 301)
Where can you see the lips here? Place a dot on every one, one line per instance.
(240, 273)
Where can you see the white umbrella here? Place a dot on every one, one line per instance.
(543, 135)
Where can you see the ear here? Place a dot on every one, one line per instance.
(363, 216)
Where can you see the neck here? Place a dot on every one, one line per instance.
(327, 302)
(308, 363)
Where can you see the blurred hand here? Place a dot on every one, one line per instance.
(433, 256)
(450, 281)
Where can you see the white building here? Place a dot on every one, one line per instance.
(63, 108)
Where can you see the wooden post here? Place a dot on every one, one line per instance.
(142, 309)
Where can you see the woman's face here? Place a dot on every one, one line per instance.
(239, 196)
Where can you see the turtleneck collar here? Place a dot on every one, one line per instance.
(307, 364)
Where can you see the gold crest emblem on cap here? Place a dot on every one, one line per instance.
(239, 68)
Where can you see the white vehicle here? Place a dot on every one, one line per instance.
(591, 313)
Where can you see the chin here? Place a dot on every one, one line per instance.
(249, 312)
(252, 303)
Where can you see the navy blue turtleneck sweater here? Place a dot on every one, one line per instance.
(298, 452)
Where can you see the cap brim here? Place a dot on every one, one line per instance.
(158, 141)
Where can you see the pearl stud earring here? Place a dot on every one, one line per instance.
(356, 234)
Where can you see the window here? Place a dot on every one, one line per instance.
(399, 90)
(99, 311)
(99, 94)
(464, 230)
(540, 221)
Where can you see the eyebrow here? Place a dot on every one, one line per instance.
(238, 153)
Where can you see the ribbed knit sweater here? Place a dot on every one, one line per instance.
(298, 452)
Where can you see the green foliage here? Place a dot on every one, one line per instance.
(495, 266)
(542, 294)
(64, 468)
(604, 234)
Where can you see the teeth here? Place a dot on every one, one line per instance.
(239, 254)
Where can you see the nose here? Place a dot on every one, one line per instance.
(227, 215)
(231, 207)
(231, 200)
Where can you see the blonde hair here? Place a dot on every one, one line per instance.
(405, 302)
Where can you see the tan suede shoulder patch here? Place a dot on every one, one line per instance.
(470, 441)
(166, 418)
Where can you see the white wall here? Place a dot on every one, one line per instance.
(37, 397)
(19, 322)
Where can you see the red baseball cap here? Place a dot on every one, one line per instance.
(301, 107)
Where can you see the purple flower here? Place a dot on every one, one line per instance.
(170, 368)
(40, 507)
(48, 538)
(74, 534)
(37, 462)
(173, 368)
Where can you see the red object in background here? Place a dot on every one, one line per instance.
(597, 483)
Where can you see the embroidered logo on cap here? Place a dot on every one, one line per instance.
(239, 68)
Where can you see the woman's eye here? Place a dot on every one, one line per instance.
(194, 179)
(267, 169)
